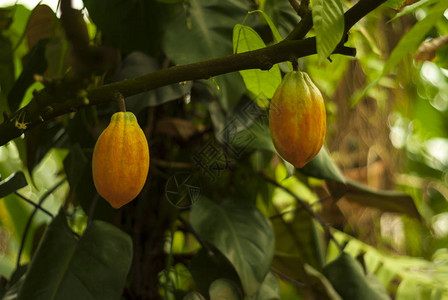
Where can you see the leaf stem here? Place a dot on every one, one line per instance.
(34, 204)
(30, 219)
(305, 206)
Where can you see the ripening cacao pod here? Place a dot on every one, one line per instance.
(297, 119)
(120, 161)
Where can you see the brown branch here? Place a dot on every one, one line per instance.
(46, 106)
(351, 17)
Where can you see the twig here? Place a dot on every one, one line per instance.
(171, 164)
(92, 209)
(305, 206)
(34, 204)
(30, 219)
(287, 278)
(296, 5)
(299, 208)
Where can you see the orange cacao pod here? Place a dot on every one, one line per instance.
(297, 119)
(120, 161)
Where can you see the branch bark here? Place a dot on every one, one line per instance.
(47, 105)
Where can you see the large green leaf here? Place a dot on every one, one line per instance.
(348, 278)
(94, 266)
(206, 33)
(11, 184)
(261, 84)
(328, 19)
(241, 233)
(224, 289)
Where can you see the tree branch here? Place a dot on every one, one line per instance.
(52, 102)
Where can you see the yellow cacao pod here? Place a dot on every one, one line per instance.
(120, 161)
(297, 119)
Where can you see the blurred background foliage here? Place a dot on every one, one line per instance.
(387, 130)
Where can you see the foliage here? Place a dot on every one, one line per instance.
(222, 215)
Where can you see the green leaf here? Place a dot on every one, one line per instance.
(328, 19)
(323, 167)
(390, 201)
(256, 136)
(394, 3)
(241, 233)
(299, 236)
(413, 7)
(13, 183)
(269, 290)
(41, 139)
(193, 296)
(204, 33)
(408, 44)
(282, 15)
(321, 287)
(348, 278)
(35, 63)
(224, 289)
(261, 84)
(208, 266)
(278, 38)
(94, 266)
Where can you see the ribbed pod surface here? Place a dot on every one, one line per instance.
(297, 119)
(120, 161)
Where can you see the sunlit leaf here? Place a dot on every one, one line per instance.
(261, 84)
(328, 19)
